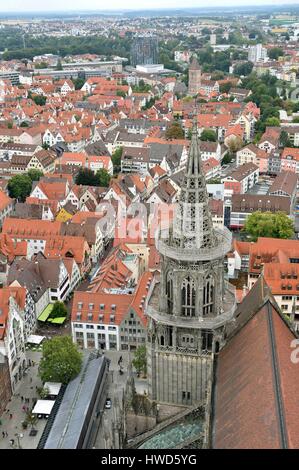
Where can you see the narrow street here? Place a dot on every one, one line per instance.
(13, 426)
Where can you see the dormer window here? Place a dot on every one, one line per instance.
(89, 316)
(102, 306)
(80, 305)
(112, 318)
(78, 315)
(91, 306)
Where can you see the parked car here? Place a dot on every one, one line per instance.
(108, 404)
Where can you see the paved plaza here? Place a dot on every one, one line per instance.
(27, 389)
(13, 426)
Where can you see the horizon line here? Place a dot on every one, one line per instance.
(123, 10)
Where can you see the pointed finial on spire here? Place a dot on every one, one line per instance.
(194, 124)
(194, 120)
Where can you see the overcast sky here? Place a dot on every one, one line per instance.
(54, 5)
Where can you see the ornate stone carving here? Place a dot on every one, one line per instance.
(185, 320)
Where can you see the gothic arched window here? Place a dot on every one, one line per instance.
(208, 295)
(169, 293)
(207, 340)
(188, 297)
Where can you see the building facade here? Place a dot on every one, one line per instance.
(144, 50)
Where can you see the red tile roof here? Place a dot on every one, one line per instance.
(113, 273)
(4, 200)
(33, 229)
(121, 302)
(19, 294)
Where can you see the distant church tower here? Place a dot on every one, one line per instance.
(191, 303)
(194, 77)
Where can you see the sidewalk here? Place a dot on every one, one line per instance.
(13, 426)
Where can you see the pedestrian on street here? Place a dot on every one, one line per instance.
(30, 379)
(10, 416)
(22, 399)
(3, 434)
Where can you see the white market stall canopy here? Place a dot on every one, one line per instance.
(43, 407)
(53, 387)
(35, 339)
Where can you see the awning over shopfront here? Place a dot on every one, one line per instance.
(43, 407)
(35, 339)
(53, 387)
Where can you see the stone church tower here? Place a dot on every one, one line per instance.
(194, 77)
(190, 304)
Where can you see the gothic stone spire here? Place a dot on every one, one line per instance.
(193, 227)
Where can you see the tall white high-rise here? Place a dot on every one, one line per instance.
(257, 53)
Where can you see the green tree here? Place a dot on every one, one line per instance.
(41, 65)
(35, 175)
(85, 177)
(269, 224)
(116, 160)
(78, 82)
(10, 125)
(121, 93)
(284, 139)
(139, 360)
(103, 178)
(243, 69)
(59, 310)
(234, 145)
(272, 121)
(208, 135)
(19, 187)
(214, 180)
(59, 65)
(43, 392)
(225, 87)
(39, 100)
(24, 124)
(61, 361)
(142, 87)
(226, 159)
(174, 131)
(275, 52)
(31, 419)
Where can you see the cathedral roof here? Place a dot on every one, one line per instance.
(255, 400)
